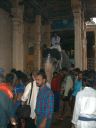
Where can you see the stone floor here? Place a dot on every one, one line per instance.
(65, 123)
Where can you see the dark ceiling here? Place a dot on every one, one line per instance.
(90, 8)
(53, 10)
(50, 9)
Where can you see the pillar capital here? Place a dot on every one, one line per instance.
(76, 6)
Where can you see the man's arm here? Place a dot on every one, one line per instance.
(26, 92)
(50, 106)
(43, 124)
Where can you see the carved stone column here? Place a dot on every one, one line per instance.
(84, 41)
(78, 40)
(5, 41)
(76, 6)
(18, 46)
(95, 48)
(48, 34)
(37, 54)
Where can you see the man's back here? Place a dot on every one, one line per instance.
(6, 109)
(87, 99)
(84, 115)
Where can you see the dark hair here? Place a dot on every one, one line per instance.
(13, 70)
(2, 78)
(43, 74)
(9, 78)
(87, 78)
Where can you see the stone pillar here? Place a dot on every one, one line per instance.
(18, 46)
(48, 34)
(95, 49)
(76, 6)
(78, 40)
(37, 54)
(5, 41)
(84, 41)
(84, 52)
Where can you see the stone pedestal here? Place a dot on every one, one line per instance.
(18, 46)
(37, 54)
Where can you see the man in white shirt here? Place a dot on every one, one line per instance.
(33, 99)
(26, 96)
(84, 115)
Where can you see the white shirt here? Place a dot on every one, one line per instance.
(85, 106)
(26, 96)
(48, 85)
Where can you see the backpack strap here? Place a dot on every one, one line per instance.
(31, 91)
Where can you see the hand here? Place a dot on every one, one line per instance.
(42, 126)
(13, 121)
(35, 120)
(43, 123)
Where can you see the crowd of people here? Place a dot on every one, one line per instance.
(70, 90)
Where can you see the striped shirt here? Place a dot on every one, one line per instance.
(45, 103)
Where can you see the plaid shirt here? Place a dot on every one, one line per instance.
(45, 103)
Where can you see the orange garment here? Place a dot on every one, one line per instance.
(5, 88)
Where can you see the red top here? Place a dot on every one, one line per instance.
(5, 88)
(56, 83)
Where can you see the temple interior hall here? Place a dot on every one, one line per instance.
(27, 28)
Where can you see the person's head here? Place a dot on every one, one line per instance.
(55, 74)
(13, 70)
(2, 78)
(41, 79)
(88, 80)
(1, 71)
(76, 71)
(65, 71)
(9, 79)
(80, 75)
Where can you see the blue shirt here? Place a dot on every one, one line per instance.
(45, 103)
(19, 89)
(77, 87)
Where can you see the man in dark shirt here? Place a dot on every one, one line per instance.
(45, 103)
(6, 103)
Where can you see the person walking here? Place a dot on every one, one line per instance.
(84, 115)
(6, 101)
(45, 103)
